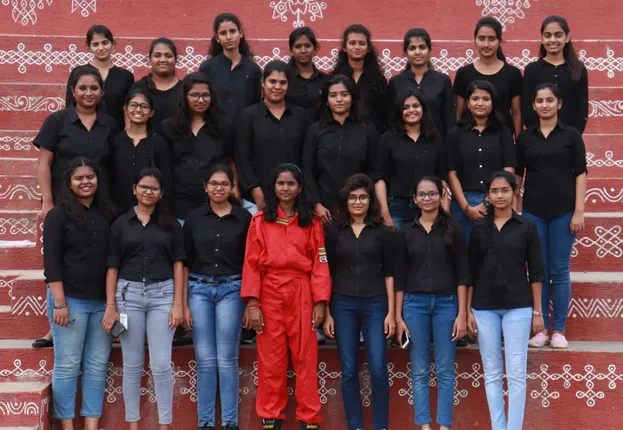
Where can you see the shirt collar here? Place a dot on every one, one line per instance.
(73, 115)
(206, 209)
(517, 217)
(468, 127)
(265, 111)
(282, 215)
(535, 129)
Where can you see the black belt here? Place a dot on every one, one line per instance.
(228, 280)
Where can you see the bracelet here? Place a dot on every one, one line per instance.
(537, 313)
(256, 306)
(63, 306)
(110, 304)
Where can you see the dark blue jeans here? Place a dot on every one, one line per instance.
(352, 315)
(403, 211)
(474, 198)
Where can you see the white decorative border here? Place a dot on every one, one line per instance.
(299, 9)
(605, 108)
(16, 143)
(31, 104)
(25, 11)
(504, 11)
(21, 192)
(589, 307)
(608, 161)
(607, 241)
(19, 408)
(604, 195)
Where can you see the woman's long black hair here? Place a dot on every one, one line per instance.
(495, 117)
(214, 117)
(571, 57)
(445, 220)
(427, 126)
(74, 210)
(356, 182)
(304, 207)
(81, 71)
(159, 41)
(494, 25)
(162, 215)
(371, 65)
(357, 113)
(216, 48)
(222, 168)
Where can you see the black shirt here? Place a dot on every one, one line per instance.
(216, 245)
(127, 161)
(476, 155)
(166, 103)
(63, 134)
(507, 81)
(424, 264)
(75, 257)
(116, 87)
(574, 111)
(403, 162)
(333, 153)
(436, 89)
(263, 142)
(238, 88)
(375, 99)
(305, 93)
(192, 156)
(551, 165)
(359, 266)
(512, 248)
(144, 253)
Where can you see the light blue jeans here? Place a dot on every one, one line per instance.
(217, 321)
(556, 245)
(82, 345)
(516, 325)
(148, 307)
(474, 198)
(425, 314)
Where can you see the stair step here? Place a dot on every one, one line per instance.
(19, 193)
(25, 403)
(18, 225)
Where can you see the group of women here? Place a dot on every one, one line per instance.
(149, 190)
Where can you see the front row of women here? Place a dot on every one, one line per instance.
(134, 272)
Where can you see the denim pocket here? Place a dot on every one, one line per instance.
(236, 285)
(454, 299)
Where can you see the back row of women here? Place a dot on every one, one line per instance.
(217, 117)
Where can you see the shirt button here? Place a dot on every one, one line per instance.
(479, 135)
(216, 265)
(217, 235)
(481, 166)
(216, 249)
(481, 182)
(479, 149)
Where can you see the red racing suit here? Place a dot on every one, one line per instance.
(286, 268)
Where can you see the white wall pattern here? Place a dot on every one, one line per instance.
(298, 9)
(504, 11)
(608, 161)
(607, 241)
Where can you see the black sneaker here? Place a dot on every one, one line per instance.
(230, 427)
(463, 342)
(207, 428)
(271, 424)
(305, 426)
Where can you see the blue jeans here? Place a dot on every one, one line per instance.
(217, 319)
(148, 307)
(423, 314)
(516, 325)
(352, 315)
(402, 211)
(474, 198)
(556, 244)
(82, 345)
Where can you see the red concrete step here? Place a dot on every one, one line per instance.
(18, 225)
(19, 193)
(25, 404)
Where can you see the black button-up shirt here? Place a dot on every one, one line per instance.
(305, 93)
(551, 165)
(436, 89)
(333, 153)
(63, 134)
(403, 162)
(75, 257)
(424, 264)
(166, 103)
(216, 245)
(238, 88)
(359, 266)
(192, 156)
(574, 111)
(263, 142)
(144, 253)
(127, 161)
(513, 247)
(116, 87)
(476, 155)
(507, 81)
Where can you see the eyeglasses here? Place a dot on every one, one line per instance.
(505, 190)
(431, 195)
(196, 96)
(214, 185)
(144, 188)
(364, 198)
(141, 106)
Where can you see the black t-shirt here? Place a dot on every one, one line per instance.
(305, 93)
(507, 81)
(166, 103)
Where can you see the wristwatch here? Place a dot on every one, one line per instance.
(487, 203)
(537, 313)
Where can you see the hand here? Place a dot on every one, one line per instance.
(389, 326)
(472, 328)
(176, 316)
(445, 203)
(460, 328)
(329, 327)
(388, 221)
(401, 327)
(537, 324)
(577, 223)
(255, 320)
(45, 208)
(236, 192)
(110, 316)
(258, 197)
(324, 214)
(317, 315)
(188, 318)
(61, 316)
(475, 213)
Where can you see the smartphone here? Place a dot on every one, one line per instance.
(404, 341)
(117, 329)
